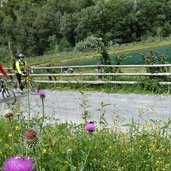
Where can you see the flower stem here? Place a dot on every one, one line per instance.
(43, 115)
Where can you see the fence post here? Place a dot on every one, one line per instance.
(99, 68)
(48, 71)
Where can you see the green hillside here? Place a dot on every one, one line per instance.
(91, 57)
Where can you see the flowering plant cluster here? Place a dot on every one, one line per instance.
(85, 146)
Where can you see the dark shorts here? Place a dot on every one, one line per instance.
(18, 77)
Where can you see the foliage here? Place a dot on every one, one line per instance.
(39, 27)
(118, 60)
(96, 43)
(91, 42)
(152, 85)
(155, 58)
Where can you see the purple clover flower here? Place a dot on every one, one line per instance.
(41, 93)
(90, 127)
(18, 164)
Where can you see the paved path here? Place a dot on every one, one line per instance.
(66, 106)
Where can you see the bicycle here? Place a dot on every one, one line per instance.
(27, 82)
(7, 93)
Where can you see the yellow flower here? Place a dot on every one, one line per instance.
(116, 114)
(44, 151)
(17, 128)
(9, 135)
(83, 123)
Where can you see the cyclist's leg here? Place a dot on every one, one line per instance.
(19, 85)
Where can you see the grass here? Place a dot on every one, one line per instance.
(71, 58)
(136, 146)
(145, 85)
(126, 49)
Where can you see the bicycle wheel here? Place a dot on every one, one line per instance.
(33, 87)
(9, 96)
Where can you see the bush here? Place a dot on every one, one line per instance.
(155, 58)
(91, 42)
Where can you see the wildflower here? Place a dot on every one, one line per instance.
(44, 151)
(18, 164)
(41, 93)
(90, 127)
(8, 114)
(9, 135)
(30, 138)
(17, 128)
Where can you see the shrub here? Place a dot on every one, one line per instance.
(91, 42)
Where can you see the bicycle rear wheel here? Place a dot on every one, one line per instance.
(33, 87)
(9, 96)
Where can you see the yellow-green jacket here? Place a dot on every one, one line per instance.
(20, 65)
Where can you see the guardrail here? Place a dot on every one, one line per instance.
(74, 74)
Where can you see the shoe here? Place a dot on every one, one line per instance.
(20, 91)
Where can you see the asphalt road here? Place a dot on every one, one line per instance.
(70, 106)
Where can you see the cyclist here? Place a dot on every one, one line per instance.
(20, 66)
(4, 72)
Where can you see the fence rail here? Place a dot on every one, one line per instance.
(96, 66)
(53, 74)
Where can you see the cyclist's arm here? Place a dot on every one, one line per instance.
(3, 71)
(25, 64)
(18, 68)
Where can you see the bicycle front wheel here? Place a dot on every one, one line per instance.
(9, 96)
(33, 87)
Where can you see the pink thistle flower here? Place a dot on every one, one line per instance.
(18, 164)
(41, 93)
(90, 127)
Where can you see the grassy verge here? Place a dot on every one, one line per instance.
(147, 87)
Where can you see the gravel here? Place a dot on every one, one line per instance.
(66, 106)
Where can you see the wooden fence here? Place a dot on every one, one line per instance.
(94, 74)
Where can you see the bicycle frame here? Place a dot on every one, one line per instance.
(28, 80)
(32, 87)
